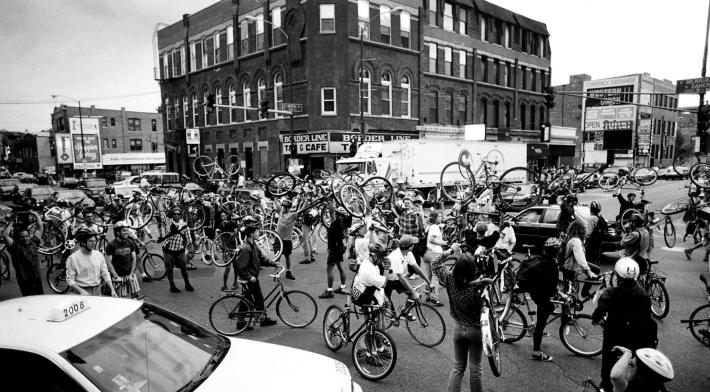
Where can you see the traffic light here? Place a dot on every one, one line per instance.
(264, 109)
(210, 103)
(704, 117)
(353, 148)
(549, 97)
(545, 132)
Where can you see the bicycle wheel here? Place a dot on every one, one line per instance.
(154, 266)
(669, 233)
(491, 332)
(53, 236)
(102, 245)
(270, 244)
(609, 180)
(232, 165)
(519, 188)
(195, 215)
(334, 328)
(700, 175)
(581, 337)
(683, 162)
(675, 206)
(57, 278)
(374, 354)
(699, 324)
(458, 183)
(323, 233)
(296, 238)
(377, 189)
(4, 265)
(495, 157)
(224, 248)
(465, 158)
(203, 166)
(660, 303)
(428, 328)
(296, 309)
(625, 219)
(353, 200)
(139, 214)
(645, 176)
(231, 315)
(514, 326)
(281, 184)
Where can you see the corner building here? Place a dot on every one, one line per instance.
(428, 69)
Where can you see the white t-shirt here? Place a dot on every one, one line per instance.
(506, 240)
(434, 232)
(399, 262)
(369, 275)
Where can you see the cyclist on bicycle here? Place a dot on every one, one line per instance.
(629, 322)
(369, 283)
(400, 259)
(646, 370)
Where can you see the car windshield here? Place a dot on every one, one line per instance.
(9, 181)
(351, 167)
(71, 194)
(150, 350)
(42, 191)
(96, 182)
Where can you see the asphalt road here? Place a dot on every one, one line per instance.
(427, 369)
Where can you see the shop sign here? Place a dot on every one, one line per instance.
(192, 136)
(50, 169)
(628, 155)
(609, 118)
(333, 142)
(306, 143)
(65, 153)
(134, 158)
(87, 155)
(86, 126)
(340, 142)
(439, 129)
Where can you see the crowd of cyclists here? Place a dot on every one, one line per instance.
(385, 255)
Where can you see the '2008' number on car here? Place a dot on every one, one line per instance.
(67, 310)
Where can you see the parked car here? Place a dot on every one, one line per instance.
(42, 193)
(93, 187)
(22, 187)
(128, 181)
(162, 178)
(68, 182)
(75, 196)
(668, 173)
(19, 175)
(6, 187)
(592, 182)
(28, 178)
(536, 224)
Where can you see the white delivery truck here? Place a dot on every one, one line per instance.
(419, 162)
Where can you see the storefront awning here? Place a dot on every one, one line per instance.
(562, 151)
(538, 150)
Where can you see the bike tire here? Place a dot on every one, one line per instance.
(57, 278)
(53, 236)
(297, 309)
(5, 265)
(429, 328)
(280, 184)
(154, 266)
(377, 189)
(700, 175)
(334, 328)
(224, 248)
(676, 206)
(202, 166)
(644, 176)
(669, 233)
(608, 180)
(296, 238)
(271, 244)
(580, 325)
(205, 249)
(625, 218)
(491, 330)
(139, 214)
(384, 361)
(458, 183)
(683, 162)
(495, 156)
(232, 165)
(465, 158)
(225, 313)
(700, 320)
(660, 302)
(323, 233)
(353, 200)
(194, 215)
(516, 182)
(515, 326)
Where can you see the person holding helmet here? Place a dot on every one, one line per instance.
(176, 241)
(336, 249)
(122, 251)
(646, 370)
(629, 322)
(597, 229)
(87, 268)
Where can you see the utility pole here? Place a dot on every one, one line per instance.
(701, 134)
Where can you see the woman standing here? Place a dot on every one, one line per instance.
(575, 261)
(463, 287)
(434, 250)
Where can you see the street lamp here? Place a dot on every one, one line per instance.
(362, 30)
(81, 129)
(290, 75)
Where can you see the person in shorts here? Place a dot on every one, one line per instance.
(284, 228)
(122, 251)
(336, 250)
(174, 249)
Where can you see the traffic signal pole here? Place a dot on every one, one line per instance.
(702, 134)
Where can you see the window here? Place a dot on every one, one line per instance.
(327, 18)
(551, 216)
(484, 64)
(105, 144)
(484, 30)
(363, 17)
(194, 109)
(432, 12)
(208, 52)
(259, 31)
(524, 73)
(496, 71)
(510, 74)
(153, 125)
(534, 79)
(484, 111)
(185, 112)
(113, 143)
(230, 43)
(177, 61)
(167, 60)
(463, 21)
(204, 107)
(405, 25)
(542, 115)
(405, 108)
(522, 116)
(385, 24)
(462, 64)
(496, 114)
(532, 117)
(220, 47)
(277, 36)
(499, 30)
(448, 61)
(134, 124)
(246, 99)
(104, 123)
(365, 92)
(244, 35)
(432, 58)
(232, 102)
(176, 113)
(218, 101)
(386, 94)
(327, 99)
(462, 105)
(507, 36)
(136, 144)
(278, 92)
(448, 17)
(113, 121)
(198, 55)
(154, 147)
(434, 108)
(506, 114)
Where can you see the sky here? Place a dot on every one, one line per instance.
(100, 51)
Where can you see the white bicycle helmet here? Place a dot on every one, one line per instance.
(627, 268)
(657, 362)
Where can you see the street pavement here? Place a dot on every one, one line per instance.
(426, 369)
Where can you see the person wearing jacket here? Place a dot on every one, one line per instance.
(597, 229)
(248, 263)
(634, 244)
(575, 261)
(629, 322)
(566, 213)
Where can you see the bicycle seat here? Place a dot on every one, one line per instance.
(528, 246)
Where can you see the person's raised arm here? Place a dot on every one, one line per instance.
(7, 234)
(619, 373)
(39, 224)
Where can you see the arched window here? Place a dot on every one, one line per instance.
(496, 114)
(218, 112)
(406, 108)
(278, 92)
(386, 81)
(507, 115)
(365, 92)
(168, 111)
(532, 117)
(194, 109)
(205, 93)
(246, 99)
(523, 116)
(232, 102)
(185, 111)
(542, 115)
(484, 111)
(176, 111)
(260, 91)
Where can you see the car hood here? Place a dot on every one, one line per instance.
(265, 367)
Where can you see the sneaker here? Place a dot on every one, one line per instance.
(540, 356)
(687, 253)
(327, 294)
(174, 289)
(191, 267)
(267, 322)
(434, 301)
(147, 279)
(290, 276)
(188, 287)
(306, 261)
(411, 317)
(340, 291)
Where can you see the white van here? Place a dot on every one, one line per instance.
(161, 178)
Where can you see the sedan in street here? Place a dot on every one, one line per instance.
(75, 196)
(6, 187)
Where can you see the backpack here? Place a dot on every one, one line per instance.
(600, 230)
(562, 253)
(538, 276)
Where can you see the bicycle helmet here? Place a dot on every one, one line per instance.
(553, 242)
(595, 207)
(419, 199)
(118, 226)
(254, 195)
(84, 234)
(401, 194)
(377, 249)
(627, 268)
(657, 362)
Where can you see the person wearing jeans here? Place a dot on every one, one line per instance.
(433, 251)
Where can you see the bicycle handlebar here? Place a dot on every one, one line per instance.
(278, 274)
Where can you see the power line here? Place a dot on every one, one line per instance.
(39, 101)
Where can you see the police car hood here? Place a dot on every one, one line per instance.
(256, 367)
